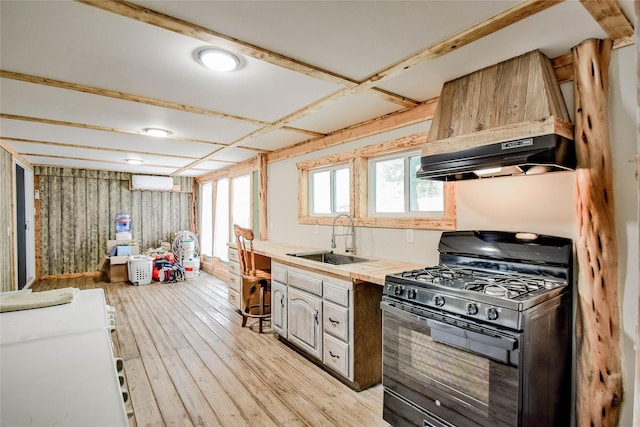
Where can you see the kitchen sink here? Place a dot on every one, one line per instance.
(328, 257)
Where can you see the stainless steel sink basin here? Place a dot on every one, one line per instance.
(328, 257)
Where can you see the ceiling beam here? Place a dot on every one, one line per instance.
(86, 159)
(197, 32)
(609, 15)
(463, 38)
(91, 147)
(100, 128)
(137, 98)
(421, 113)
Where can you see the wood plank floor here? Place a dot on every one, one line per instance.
(189, 362)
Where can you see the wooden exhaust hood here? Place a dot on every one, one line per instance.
(506, 119)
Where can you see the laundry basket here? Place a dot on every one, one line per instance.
(140, 269)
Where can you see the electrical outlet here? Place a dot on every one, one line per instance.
(410, 235)
(316, 229)
(36, 194)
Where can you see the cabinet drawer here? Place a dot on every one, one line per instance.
(235, 282)
(279, 273)
(336, 321)
(233, 255)
(335, 293)
(234, 298)
(305, 282)
(234, 268)
(336, 355)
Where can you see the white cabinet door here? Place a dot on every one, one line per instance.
(279, 308)
(304, 321)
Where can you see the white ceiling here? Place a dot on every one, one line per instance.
(104, 51)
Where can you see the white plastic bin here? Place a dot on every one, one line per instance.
(140, 269)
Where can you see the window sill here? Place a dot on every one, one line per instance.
(387, 222)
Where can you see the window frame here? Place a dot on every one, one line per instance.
(406, 157)
(332, 188)
(358, 160)
(204, 187)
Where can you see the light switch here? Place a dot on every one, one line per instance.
(410, 235)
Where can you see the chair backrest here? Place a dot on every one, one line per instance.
(244, 238)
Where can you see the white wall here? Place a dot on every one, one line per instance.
(622, 121)
(542, 204)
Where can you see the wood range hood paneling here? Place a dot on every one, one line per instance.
(513, 100)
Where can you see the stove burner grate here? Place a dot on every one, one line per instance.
(498, 284)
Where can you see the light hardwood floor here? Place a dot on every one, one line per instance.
(189, 362)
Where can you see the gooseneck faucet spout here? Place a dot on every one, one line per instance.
(348, 248)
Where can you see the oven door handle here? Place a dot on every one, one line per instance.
(458, 336)
(455, 335)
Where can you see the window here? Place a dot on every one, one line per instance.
(221, 227)
(329, 190)
(377, 186)
(394, 188)
(206, 219)
(241, 201)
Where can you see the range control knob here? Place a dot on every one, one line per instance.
(438, 300)
(411, 293)
(472, 308)
(397, 291)
(492, 313)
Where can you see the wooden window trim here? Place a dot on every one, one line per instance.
(359, 207)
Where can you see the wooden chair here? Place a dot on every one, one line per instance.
(256, 284)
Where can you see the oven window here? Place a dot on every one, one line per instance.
(460, 372)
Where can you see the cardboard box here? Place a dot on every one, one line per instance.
(116, 266)
(125, 235)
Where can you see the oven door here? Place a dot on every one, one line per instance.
(447, 372)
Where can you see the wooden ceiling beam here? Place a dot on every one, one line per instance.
(197, 32)
(95, 127)
(609, 15)
(463, 38)
(139, 99)
(91, 147)
(86, 159)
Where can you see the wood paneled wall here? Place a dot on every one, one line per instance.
(77, 210)
(6, 221)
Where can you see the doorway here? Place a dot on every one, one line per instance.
(24, 226)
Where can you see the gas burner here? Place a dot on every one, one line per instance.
(496, 291)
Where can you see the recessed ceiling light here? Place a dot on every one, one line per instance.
(157, 132)
(217, 59)
(134, 161)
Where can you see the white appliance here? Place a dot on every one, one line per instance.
(58, 366)
(152, 183)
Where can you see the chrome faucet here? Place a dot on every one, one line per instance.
(352, 247)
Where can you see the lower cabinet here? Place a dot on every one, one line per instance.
(304, 320)
(235, 281)
(336, 322)
(279, 308)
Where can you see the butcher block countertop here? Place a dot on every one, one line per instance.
(373, 271)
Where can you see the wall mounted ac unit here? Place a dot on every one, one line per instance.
(151, 183)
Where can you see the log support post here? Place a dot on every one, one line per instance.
(599, 378)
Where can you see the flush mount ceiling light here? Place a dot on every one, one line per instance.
(134, 161)
(217, 59)
(157, 132)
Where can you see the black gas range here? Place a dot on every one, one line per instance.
(484, 337)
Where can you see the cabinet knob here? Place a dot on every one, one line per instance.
(334, 322)
(335, 356)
